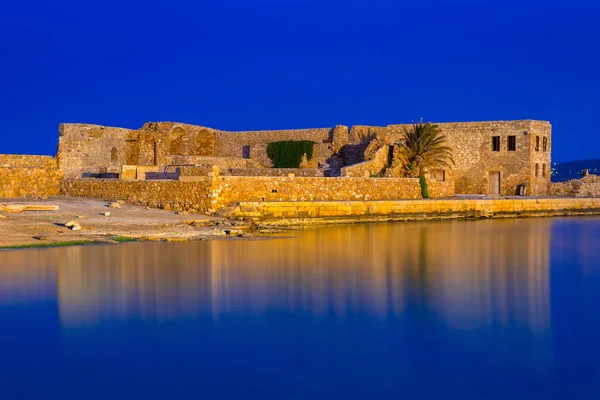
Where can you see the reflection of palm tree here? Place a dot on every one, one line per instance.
(417, 279)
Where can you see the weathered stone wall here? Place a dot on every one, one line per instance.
(26, 161)
(93, 148)
(306, 172)
(290, 213)
(471, 143)
(172, 195)
(364, 133)
(340, 137)
(370, 167)
(216, 192)
(24, 176)
(540, 158)
(221, 162)
(439, 189)
(96, 149)
(560, 189)
(588, 186)
(232, 189)
(231, 144)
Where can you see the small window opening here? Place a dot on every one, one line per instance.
(545, 144)
(114, 154)
(439, 175)
(537, 143)
(512, 143)
(246, 151)
(543, 170)
(495, 143)
(537, 170)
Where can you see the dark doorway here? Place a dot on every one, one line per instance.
(246, 151)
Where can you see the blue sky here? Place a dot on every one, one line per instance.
(243, 65)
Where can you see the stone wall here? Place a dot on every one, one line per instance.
(440, 189)
(93, 148)
(232, 144)
(300, 213)
(213, 193)
(306, 172)
(97, 149)
(26, 161)
(25, 176)
(370, 167)
(540, 158)
(221, 162)
(172, 195)
(231, 189)
(588, 186)
(471, 144)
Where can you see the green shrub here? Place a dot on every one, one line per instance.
(423, 182)
(288, 153)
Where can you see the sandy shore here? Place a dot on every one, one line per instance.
(127, 221)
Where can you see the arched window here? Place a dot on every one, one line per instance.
(204, 143)
(114, 154)
(178, 142)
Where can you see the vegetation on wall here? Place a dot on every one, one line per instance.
(423, 183)
(289, 153)
(423, 148)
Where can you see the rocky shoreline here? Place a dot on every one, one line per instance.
(64, 220)
(90, 221)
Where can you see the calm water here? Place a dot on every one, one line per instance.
(484, 309)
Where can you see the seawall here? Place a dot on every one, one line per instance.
(325, 212)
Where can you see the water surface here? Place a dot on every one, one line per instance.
(480, 309)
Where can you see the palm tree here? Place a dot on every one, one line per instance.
(422, 148)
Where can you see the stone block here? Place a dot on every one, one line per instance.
(128, 172)
(142, 169)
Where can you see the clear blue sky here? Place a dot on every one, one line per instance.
(242, 65)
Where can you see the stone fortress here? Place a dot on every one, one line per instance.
(186, 167)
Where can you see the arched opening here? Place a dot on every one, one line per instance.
(178, 142)
(204, 143)
(114, 154)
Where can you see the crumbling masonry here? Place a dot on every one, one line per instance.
(216, 168)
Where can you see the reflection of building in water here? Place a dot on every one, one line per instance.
(140, 281)
(27, 277)
(467, 274)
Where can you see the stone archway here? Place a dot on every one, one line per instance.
(178, 142)
(204, 143)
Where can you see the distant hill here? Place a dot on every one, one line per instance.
(564, 171)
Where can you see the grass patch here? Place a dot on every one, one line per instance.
(123, 239)
(51, 244)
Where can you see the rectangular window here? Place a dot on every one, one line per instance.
(440, 175)
(543, 170)
(495, 143)
(537, 170)
(537, 143)
(512, 143)
(545, 144)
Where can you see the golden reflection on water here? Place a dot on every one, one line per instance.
(465, 274)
